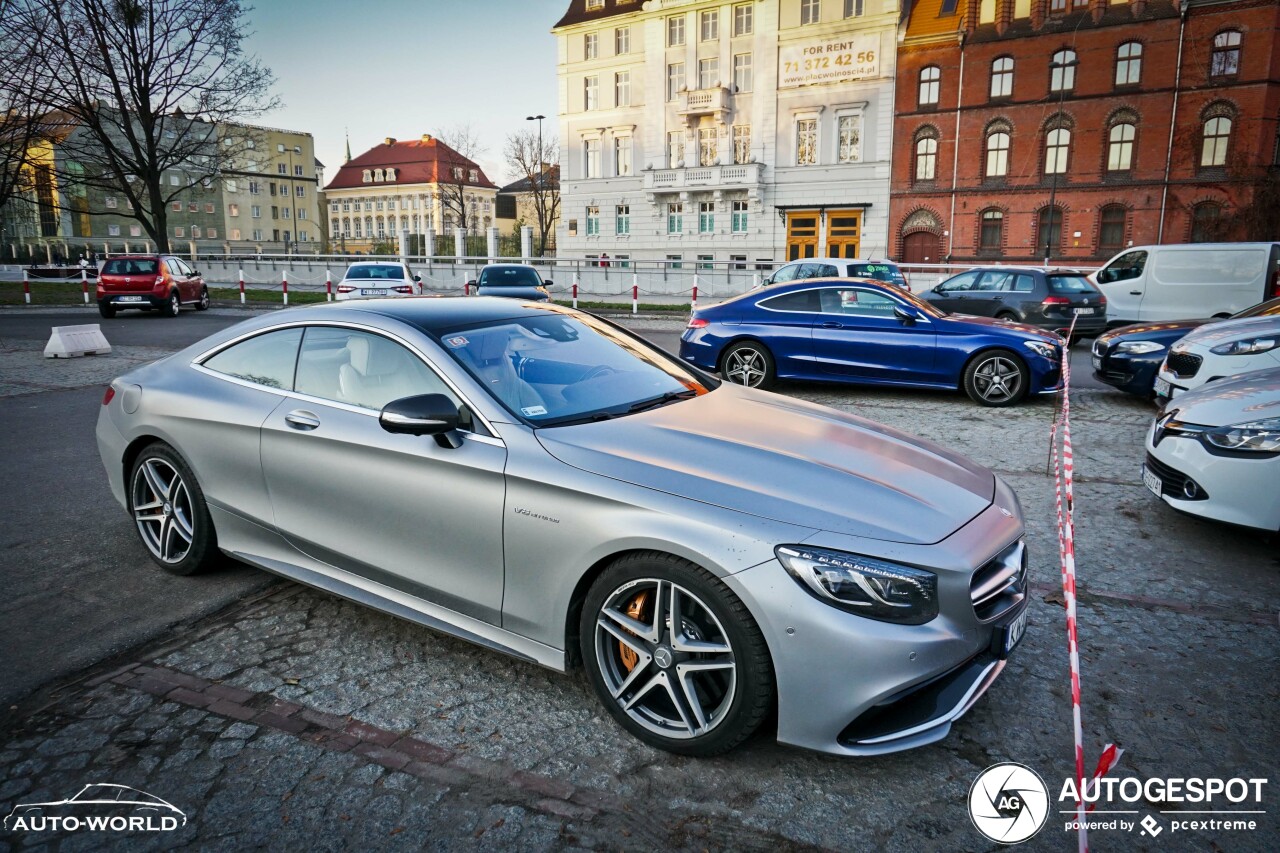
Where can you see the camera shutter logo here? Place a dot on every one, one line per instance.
(1008, 802)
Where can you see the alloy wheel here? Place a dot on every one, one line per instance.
(998, 379)
(665, 658)
(162, 510)
(746, 366)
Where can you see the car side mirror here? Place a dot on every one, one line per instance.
(547, 282)
(417, 278)
(425, 414)
(906, 315)
(471, 283)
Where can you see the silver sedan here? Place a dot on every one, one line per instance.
(543, 483)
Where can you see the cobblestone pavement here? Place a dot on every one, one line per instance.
(300, 719)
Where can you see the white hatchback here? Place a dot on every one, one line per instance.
(377, 278)
(1218, 350)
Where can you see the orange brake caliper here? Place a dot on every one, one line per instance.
(634, 610)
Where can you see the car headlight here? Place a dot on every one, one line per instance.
(1254, 436)
(1248, 346)
(869, 587)
(1139, 347)
(1047, 350)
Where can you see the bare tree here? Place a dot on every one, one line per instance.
(533, 159)
(458, 173)
(141, 91)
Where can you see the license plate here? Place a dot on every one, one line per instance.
(1085, 310)
(1163, 388)
(1010, 635)
(128, 299)
(1151, 481)
(1097, 362)
(372, 291)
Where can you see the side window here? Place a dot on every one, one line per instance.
(1127, 266)
(266, 360)
(856, 302)
(962, 282)
(182, 268)
(801, 300)
(996, 281)
(827, 271)
(361, 369)
(1024, 284)
(787, 273)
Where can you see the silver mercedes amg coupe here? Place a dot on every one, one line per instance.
(546, 484)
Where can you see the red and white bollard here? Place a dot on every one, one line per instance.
(26, 287)
(328, 287)
(575, 289)
(284, 285)
(241, 287)
(693, 303)
(635, 299)
(84, 285)
(466, 288)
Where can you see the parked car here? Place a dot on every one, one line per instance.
(164, 282)
(867, 332)
(517, 281)
(1129, 358)
(1048, 298)
(886, 271)
(1215, 452)
(546, 484)
(375, 279)
(1157, 283)
(1219, 350)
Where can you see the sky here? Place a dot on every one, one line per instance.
(401, 68)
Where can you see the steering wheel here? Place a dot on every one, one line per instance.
(598, 371)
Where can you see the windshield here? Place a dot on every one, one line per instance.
(509, 277)
(879, 272)
(130, 266)
(378, 271)
(916, 302)
(1270, 308)
(555, 370)
(1069, 284)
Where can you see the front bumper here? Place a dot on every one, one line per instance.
(1132, 373)
(1241, 490)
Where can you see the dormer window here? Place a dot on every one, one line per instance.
(457, 173)
(391, 174)
(368, 176)
(377, 174)
(475, 176)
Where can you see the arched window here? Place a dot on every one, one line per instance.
(1049, 230)
(1120, 146)
(998, 138)
(926, 154)
(1111, 224)
(391, 174)
(1057, 151)
(1002, 77)
(1129, 64)
(1206, 224)
(1062, 71)
(368, 175)
(1225, 61)
(1217, 139)
(990, 237)
(930, 81)
(377, 174)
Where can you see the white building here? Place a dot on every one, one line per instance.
(709, 130)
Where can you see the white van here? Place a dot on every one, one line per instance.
(1191, 280)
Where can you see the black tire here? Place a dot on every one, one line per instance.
(106, 310)
(203, 304)
(749, 363)
(731, 701)
(1010, 316)
(984, 368)
(159, 517)
(173, 306)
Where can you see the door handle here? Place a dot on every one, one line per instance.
(299, 419)
(1135, 292)
(832, 325)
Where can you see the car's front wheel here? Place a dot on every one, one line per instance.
(203, 304)
(170, 513)
(750, 364)
(675, 656)
(997, 378)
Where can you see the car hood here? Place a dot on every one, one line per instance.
(1165, 333)
(1250, 397)
(1028, 332)
(791, 461)
(1221, 332)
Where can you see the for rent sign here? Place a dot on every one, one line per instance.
(833, 60)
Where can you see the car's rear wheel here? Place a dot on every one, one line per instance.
(675, 656)
(997, 378)
(173, 306)
(203, 304)
(170, 513)
(106, 310)
(749, 363)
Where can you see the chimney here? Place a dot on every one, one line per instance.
(390, 140)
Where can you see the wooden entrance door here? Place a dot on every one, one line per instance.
(802, 235)
(844, 233)
(920, 247)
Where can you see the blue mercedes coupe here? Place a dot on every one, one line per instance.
(865, 332)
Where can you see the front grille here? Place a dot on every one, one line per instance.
(1184, 364)
(1175, 483)
(1099, 348)
(1001, 583)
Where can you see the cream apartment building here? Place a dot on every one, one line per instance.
(741, 132)
(270, 196)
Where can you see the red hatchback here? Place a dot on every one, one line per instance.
(164, 282)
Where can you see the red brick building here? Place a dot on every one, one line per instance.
(1062, 111)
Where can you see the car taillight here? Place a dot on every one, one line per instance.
(698, 323)
(403, 289)
(345, 288)
(111, 392)
(159, 281)
(1102, 299)
(1056, 300)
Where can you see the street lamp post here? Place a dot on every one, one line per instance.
(542, 237)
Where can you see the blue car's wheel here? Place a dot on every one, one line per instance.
(748, 363)
(997, 378)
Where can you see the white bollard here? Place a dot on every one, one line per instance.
(26, 286)
(328, 287)
(284, 285)
(241, 286)
(575, 288)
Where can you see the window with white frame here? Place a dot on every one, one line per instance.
(622, 40)
(850, 143)
(110, 202)
(742, 72)
(708, 73)
(1129, 64)
(255, 188)
(593, 5)
(591, 93)
(113, 230)
(743, 20)
(1057, 150)
(622, 89)
(136, 231)
(709, 25)
(706, 146)
(810, 11)
(739, 217)
(593, 221)
(285, 212)
(622, 220)
(178, 231)
(998, 139)
(590, 45)
(282, 169)
(174, 180)
(675, 149)
(675, 217)
(297, 171)
(675, 262)
(257, 234)
(806, 141)
(930, 82)
(1002, 77)
(1120, 147)
(853, 8)
(591, 158)
(706, 262)
(675, 80)
(622, 156)
(302, 235)
(675, 31)
(1062, 71)
(302, 213)
(742, 143)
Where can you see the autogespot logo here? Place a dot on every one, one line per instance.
(98, 808)
(1008, 802)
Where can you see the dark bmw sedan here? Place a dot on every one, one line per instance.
(1129, 358)
(871, 333)
(517, 281)
(1048, 298)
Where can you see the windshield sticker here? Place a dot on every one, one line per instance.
(533, 411)
(459, 341)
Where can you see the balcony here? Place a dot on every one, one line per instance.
(701, 102)
(731, 176)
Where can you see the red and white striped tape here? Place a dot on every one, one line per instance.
(1063, 476)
